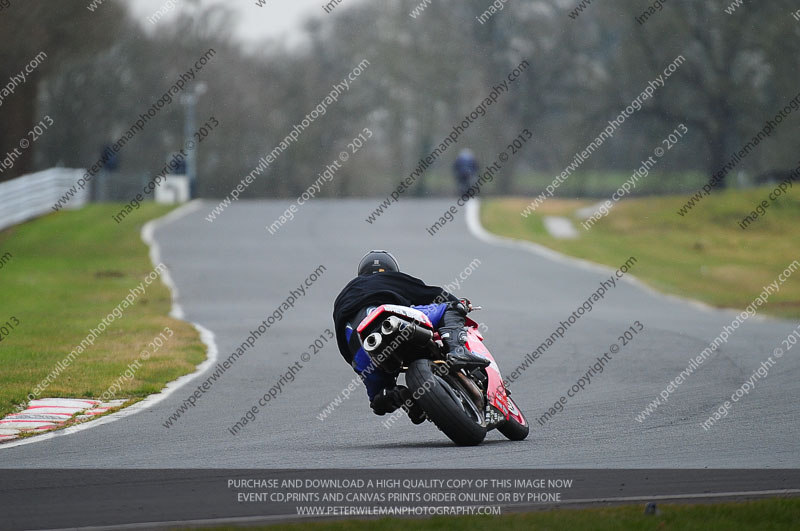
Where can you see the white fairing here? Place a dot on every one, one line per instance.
(411, 313)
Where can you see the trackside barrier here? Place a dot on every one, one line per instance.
(34, 195)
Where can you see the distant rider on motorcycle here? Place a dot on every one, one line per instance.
(380, 281)
(465, 168)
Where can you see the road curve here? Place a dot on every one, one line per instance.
(232, 275)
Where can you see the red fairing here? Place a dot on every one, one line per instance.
(496, 391)
(475, 326)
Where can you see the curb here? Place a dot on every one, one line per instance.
(206, 336)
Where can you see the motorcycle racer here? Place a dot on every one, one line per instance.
(380, 281)
(465, 168)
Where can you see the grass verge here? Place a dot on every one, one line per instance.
(68, 271)
(764, 515)
(703, 255)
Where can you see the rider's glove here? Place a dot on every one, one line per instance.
(389, 400)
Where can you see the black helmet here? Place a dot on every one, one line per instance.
(377, 262)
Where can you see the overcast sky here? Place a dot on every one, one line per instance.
(278, 18)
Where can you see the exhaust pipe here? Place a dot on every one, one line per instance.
(373, 341)
(472, 389)
(411, 332)
(418, 335)
(390, 326)
(395, 331)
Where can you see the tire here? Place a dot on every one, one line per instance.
(512, 429)
(464, 426)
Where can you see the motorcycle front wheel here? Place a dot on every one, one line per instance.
(446, 403)
(511, 428)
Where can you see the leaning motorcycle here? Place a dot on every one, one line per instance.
(464, 402)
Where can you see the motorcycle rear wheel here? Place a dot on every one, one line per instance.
(446, 403)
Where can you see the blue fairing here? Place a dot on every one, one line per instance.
(374, 379)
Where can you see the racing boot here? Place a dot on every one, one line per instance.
(415, 412)
(454, 337)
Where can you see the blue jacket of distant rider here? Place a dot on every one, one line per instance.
(465, 165)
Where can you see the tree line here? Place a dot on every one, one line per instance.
(103, 69)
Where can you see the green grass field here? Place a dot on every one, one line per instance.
(703, 255)
(762, 515)
(601, 184)
(68, 271)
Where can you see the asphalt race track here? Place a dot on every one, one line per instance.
(232, 274)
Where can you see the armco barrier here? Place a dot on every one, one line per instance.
(33, 195)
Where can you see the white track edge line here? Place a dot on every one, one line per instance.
(477, 230)
(206, 336)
